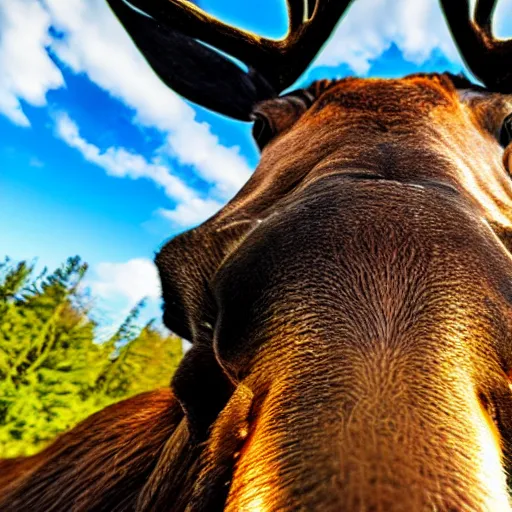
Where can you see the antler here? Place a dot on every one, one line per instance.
(489, 59)
(273, 65)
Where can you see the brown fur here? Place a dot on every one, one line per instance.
(105, 462)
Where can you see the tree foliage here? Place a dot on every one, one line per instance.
(53, 370)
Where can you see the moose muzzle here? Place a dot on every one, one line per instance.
(371, 336)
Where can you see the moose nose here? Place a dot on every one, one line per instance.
(368, 432)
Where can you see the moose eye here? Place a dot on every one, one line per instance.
(506, 131)
(262, 131)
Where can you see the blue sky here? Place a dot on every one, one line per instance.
(98, 158)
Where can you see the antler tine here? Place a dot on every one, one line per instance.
(192, 21)
(489, 59)
(483, 15)
(299, 11)
(301, 46)
(296, 14)
(280, 62)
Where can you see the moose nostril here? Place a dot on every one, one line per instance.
(484, 401)
(488, 406)
(506, 131)
(507, 159)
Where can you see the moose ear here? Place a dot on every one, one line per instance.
(192, 69)
(276, 116)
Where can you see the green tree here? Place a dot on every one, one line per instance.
(53, 373)
(145, 362)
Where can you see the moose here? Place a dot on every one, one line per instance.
(350, 310)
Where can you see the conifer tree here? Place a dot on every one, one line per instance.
(53, 372)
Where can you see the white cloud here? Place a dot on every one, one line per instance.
(194, 144)
(190, 209)
(131, 280)
(192, 212)
(371, 26)
(117, 287)
(36, 162)
(27, 72)
(95, 43)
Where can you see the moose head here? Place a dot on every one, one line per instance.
(351, 308)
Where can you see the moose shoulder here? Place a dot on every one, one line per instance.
(350, 309)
